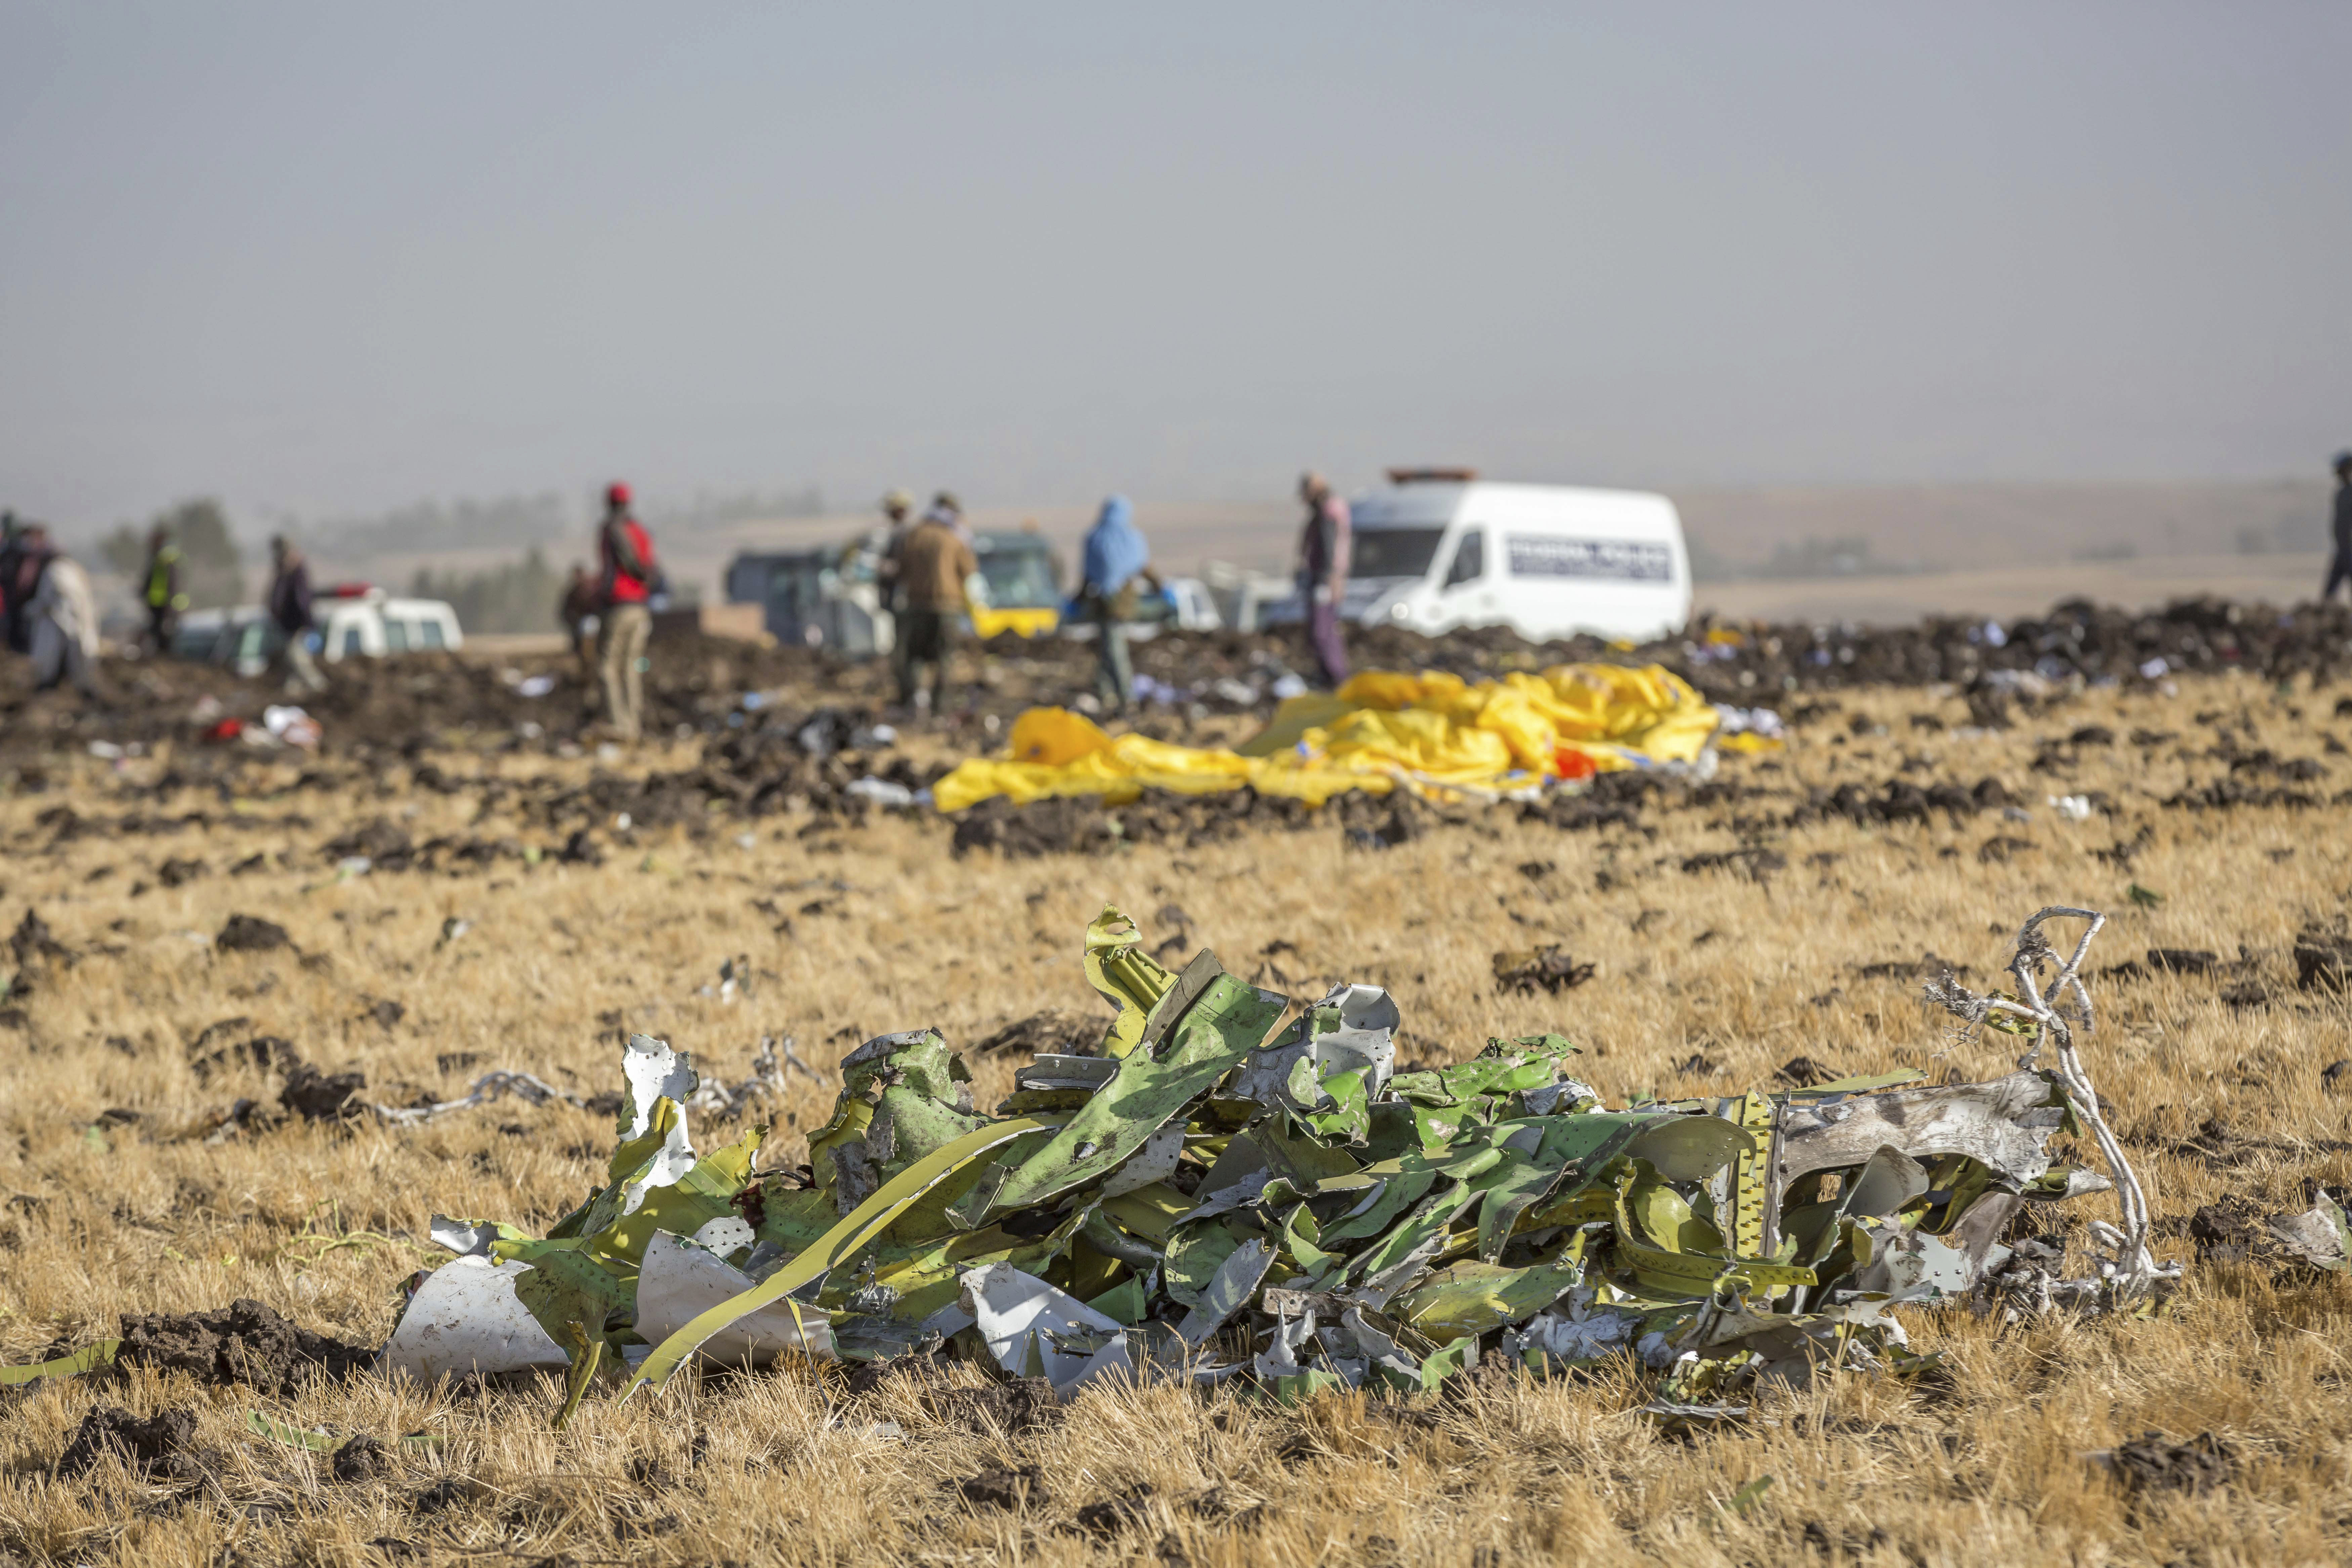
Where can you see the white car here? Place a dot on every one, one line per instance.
(1438, 550)
(353, 620)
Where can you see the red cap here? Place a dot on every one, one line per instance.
(616, 494)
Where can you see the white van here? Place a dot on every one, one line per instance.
(1440, 548)
(353, 621)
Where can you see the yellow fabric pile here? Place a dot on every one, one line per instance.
(1431, 733)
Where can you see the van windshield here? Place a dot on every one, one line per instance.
(1020, 579)
(1394, 551)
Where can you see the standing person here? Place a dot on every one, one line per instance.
(16, 574)
(577, 611)
(1323, 550)
(1116, 560)
(162, 595)
(896, 507)
(930, 567)
(949, 511)
(60, 616)
(289, 607)
(2339, 570)
(625, 555)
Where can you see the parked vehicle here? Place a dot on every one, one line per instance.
(1022, 580)
(1241, 594)
(1436, 551)
(817, 598)
(354, 620)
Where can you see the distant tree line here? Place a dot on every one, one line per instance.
(522, 596)
(717, 509)
(212, 572)
(464, 524)
(547, 518)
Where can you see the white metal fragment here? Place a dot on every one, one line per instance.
(2318, 1235)
(656, 1072)
(465, 1238)
(1155, 1162)
(2129, 1268)
(1280, 1359)
(490, 1085)
(1910, 1265)
(724, 1234)
(465, 1318)
(1027, 1323)
(1559, 1332)
(1364, 1040)
(679, 1282)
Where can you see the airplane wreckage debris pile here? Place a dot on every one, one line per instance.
(1211, 1196)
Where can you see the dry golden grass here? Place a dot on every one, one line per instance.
(1984, 1466)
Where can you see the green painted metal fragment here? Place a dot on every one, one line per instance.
(1228, 1021)
(89, 1359)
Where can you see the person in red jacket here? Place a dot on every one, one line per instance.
(626, 582)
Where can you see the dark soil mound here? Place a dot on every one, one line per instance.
(245, 1343)
(160, 1446)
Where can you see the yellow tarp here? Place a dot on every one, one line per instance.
(1426, 731)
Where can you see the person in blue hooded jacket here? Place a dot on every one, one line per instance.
(1116, 563)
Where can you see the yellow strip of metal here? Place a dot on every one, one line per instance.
(1693, 1273)
(1751, 1176)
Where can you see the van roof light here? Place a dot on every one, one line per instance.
(1432, 476)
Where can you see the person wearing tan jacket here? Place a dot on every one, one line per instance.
(930, 563)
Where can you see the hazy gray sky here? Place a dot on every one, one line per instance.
(330, 259)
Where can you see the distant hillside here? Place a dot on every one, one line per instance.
(1873, 530)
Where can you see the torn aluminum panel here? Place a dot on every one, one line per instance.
(681, 1280)
(1036, 1330)
(2004, 1124)
(1906, 1266)
(655, 1074)
(1063, 1072)
(725, 1237)
(1155, 1162)
(2318, 1235)
(466, 1319)
(1572, 1335)
(1351, 1030)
